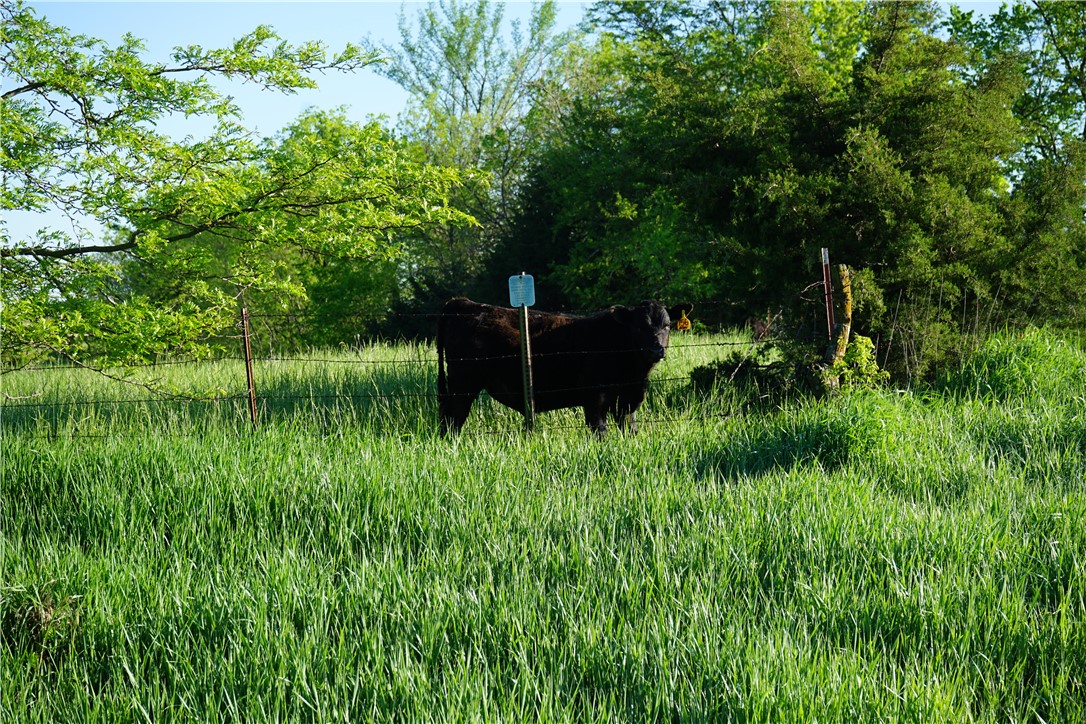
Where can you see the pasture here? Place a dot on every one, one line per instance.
(877, 556)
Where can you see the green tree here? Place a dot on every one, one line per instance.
(336, 273)
(647, 182)
(1046, 40)
(471, 88)
(925, 162)
(624, 194)
(1042, 276)
(736, 139)
(212, 220)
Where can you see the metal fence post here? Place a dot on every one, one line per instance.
(522, 296)
(827, 284)
(249, 364)
(526, 370)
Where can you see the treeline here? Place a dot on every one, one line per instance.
(693, 151)
(707, 151)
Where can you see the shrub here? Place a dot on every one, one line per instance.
(1028, 364)
(858, 369)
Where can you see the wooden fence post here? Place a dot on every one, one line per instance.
(837, 344)
(249, 364)
(844, 329)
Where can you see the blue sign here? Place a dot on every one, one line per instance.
(521, 290)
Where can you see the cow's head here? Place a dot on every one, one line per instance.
(649, 327)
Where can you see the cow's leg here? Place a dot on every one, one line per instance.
(624, 410)
(595, 415)
(625, 417)
(627, 422)
(453, 409)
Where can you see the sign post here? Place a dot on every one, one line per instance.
(249, 364)
(522, 296)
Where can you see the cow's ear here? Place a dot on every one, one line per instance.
(676, 311)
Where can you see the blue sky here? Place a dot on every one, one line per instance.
(164, 25)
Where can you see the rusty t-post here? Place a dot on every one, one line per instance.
(827, 285)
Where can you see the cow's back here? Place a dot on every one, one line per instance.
(470, 329)
(467, 326)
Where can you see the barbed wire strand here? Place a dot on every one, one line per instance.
(392, 362)
(271, 397)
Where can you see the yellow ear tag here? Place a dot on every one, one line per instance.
(683, 325)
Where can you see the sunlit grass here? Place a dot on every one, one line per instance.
(875, 556)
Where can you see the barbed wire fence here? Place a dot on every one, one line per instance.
(260, 403)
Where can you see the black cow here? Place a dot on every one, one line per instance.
(599, 362)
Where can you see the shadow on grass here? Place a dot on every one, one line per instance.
(1052, 451)
(785, 444)
(927, 482)
(107, 417)
(887, 442)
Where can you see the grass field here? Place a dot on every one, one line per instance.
(878, 556)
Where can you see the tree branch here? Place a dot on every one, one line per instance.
(44, 251)
(22, 89)
(150, 387)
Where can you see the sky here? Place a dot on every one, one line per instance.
(164, 25)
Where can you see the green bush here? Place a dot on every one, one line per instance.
(858, 369)
(1033, 363)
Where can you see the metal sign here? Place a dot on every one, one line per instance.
(521, 290)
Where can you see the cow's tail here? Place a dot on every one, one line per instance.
(442, 385)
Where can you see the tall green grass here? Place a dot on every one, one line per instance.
(877, 556)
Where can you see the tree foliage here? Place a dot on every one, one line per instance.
(472, 79)
(736, 139)
(169, 234)
(696, 150)
(1042, 269)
